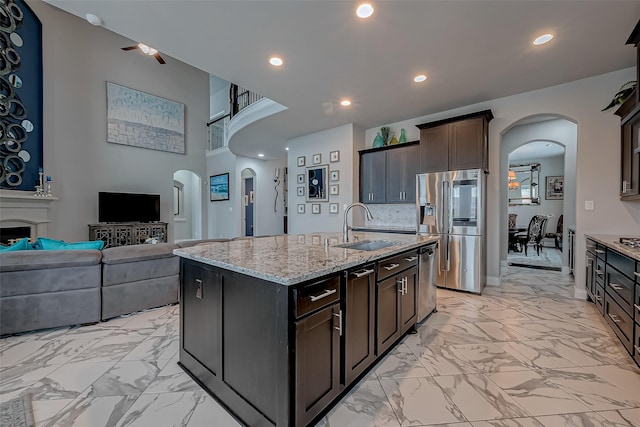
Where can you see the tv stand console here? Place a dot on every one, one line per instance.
(127, 233)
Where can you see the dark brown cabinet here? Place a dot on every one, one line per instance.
(388, 174)
(457, 143)
(359, 318)
(396, 302)
(201, 300)
(590, 267)
(317, 362)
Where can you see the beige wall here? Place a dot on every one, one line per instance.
(78, 60)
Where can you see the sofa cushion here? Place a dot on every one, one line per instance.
(56, 245)
(35, 260)
(133, 253)
(135, 296)
(47, 280)
(20, 245)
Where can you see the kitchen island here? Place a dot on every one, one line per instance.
(278, 328)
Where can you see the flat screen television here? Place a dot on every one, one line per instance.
(128, 207)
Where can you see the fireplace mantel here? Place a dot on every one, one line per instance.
(23, 208)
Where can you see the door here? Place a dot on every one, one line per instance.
(317, 362)
(465, 263)
(248, 206)
(372, 177)
(359, 337)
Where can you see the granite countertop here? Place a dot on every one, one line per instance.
(292, 259)
(613, 241)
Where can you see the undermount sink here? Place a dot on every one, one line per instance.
(367, 245)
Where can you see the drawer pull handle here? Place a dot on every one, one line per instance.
(391, 267)
(637, 349)
(361, 273)
(598, 298)
(637, 308)
(615, 286)
(636, 273)
(599, 273)
(198, 288)
(326, 293)
(599, 251)
(589, 259)
(411, 258)
(339, 327)
(614, 318)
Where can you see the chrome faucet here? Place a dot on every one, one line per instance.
(345, 226)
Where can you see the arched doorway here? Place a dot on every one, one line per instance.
(249, 186)
(542, 131)
(187, 205)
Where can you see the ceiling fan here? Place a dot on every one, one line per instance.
(147, 50)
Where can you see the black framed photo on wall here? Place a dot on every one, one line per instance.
(219, 187)
(554, 188)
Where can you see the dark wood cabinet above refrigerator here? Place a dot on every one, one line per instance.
(456, 143)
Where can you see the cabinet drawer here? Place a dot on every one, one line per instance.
(316, 295)
(621, 289)
(620, 322)
(598, 274)
(622, 263)
(391, 266)
(599, 298)
(636, 304)
(591, 246)
(601, 251)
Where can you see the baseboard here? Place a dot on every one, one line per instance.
(579, 293)
(566, 270)
(493, 281)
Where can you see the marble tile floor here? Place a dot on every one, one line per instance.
(548, 257)
(525, 353)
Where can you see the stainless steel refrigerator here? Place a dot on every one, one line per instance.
(452, 206)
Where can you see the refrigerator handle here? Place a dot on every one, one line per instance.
(447, 255)
(449, 209)
(445, 208)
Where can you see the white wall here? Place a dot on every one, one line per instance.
(219, 101)
(224, 218)
(182, 223)
(78, 59)
(347, 139)
(598, 158)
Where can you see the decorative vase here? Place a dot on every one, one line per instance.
(403, 137)
(378, 142)
(384, 131)
(394, 140)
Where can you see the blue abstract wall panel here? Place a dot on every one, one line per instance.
(20, 96)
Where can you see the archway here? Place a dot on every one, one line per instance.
(187, 205)
(248, 197)
(542, 129)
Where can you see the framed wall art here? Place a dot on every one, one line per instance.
(333, 208)
(300, 178)
(301, 208)
(334, 156)
(335, 175)
(555, 188)
(300, 191)
(315, 208)
(143, 120)
(317, 183)
(317, 159)
(301, 161)
(219, 187)
(334, 189)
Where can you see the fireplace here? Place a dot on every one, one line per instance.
(23, 211)
(10, 234)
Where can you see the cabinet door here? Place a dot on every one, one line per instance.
(317, 362)
(434, 149)
(402, 167)
(630, 161)
(359, 318)
(590, 283)
(467, 145)
(388, 307)
(408, 309)
(201, 298)
(372, 177)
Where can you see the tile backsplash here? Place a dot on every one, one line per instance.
(393, 216)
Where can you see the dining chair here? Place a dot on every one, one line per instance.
(535, 232)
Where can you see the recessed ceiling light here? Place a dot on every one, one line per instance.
(545, 38)
(548, 145)
(286, 148)
(260, 155)
(420, 78)
(93, 19)
(365, 10)
(147, 50)
(345, 102)
(276, 61)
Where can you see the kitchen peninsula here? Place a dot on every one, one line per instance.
(278, 328)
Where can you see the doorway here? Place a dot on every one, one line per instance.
(187, 205)
(538, 178)
(248, 176)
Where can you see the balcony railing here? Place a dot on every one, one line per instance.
(241, 98)
(218, 132)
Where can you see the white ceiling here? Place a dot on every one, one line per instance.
(472, 51)
(535, 150)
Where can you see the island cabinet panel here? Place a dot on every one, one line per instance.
(359, 321)
(388, 329)
(202, 317)
(409, 308)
